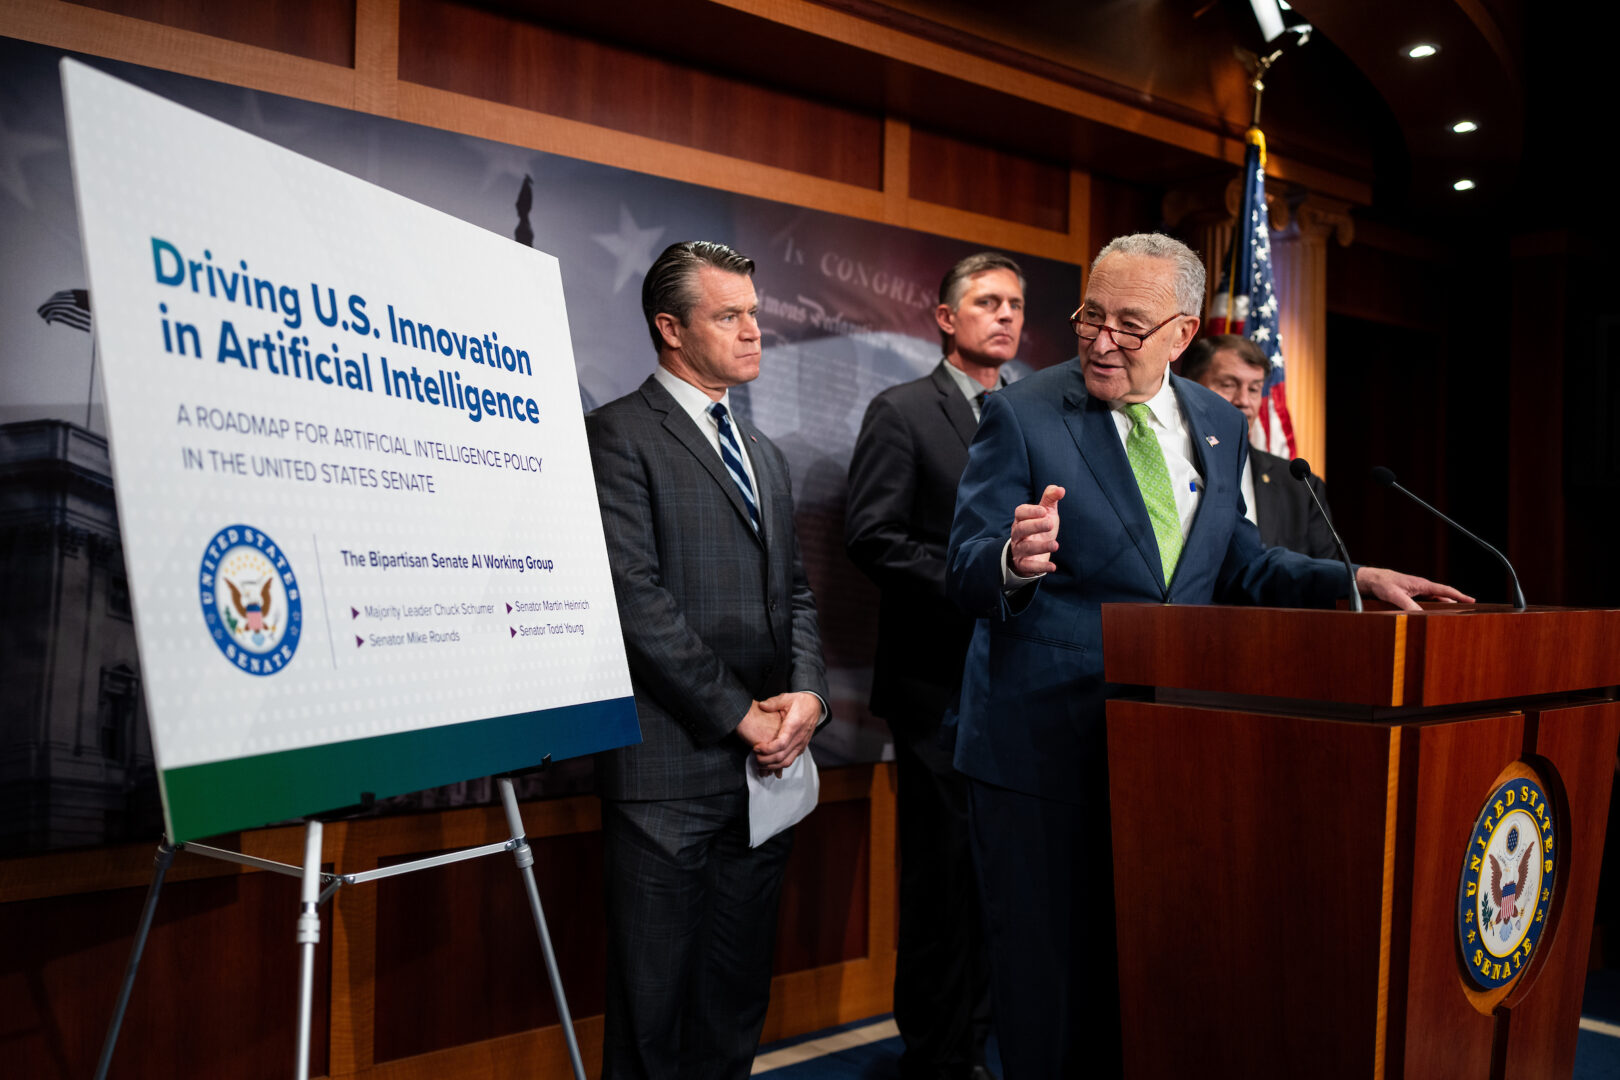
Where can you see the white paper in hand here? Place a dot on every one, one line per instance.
(777, 803)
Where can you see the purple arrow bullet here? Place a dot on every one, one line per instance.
(509, 609)
(358, 641)
(354, 613)
(513, 629)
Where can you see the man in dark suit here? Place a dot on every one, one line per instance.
(902, 489)
(725, 661)
(1142, 471)
(1236, 368)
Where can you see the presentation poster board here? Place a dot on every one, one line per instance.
(364, 549)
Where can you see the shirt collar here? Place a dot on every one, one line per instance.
(1163, 406)
(971, 388)
(691, 399)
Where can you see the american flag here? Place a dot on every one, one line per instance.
(70, 306)
(1246, 302)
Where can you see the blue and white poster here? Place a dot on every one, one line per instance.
(360, 525)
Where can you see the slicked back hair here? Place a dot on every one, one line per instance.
(956, 279)
(1189, 268)
(1201, 354)
(671, 288)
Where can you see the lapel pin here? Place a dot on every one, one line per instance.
(1265, 478)
(1212, 440)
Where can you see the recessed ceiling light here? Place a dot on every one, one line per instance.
(1464, 185)
(1463, 127)
(1419, 52)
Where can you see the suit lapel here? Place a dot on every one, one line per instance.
(1092, 427)
(1268, 495)
(681, 427)
(1200, 425)
(956, 408)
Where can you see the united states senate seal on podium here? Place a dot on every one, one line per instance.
(1505, 894)
(250, 599)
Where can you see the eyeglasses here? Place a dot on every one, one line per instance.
(1127, 340)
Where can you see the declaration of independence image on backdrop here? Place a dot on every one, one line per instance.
(846, 311)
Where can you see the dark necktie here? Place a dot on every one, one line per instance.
(731, 454)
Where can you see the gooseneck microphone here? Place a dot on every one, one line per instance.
(1387, 479)
(1300, 470)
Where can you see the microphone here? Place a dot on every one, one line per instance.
(1387, 479)
(1300, 470)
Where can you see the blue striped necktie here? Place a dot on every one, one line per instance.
(731, 454)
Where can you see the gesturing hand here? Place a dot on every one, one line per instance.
(1034, 535)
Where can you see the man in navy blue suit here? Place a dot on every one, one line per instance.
(1140, 471)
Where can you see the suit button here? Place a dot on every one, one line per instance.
(773, 605)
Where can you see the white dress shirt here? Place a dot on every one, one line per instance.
(1247, 487)
(695, 403)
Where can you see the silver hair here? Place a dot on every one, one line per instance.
(1189, 279)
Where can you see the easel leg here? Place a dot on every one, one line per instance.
(525, 860)
(165, 856)
(309, 935)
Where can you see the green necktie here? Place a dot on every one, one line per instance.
(1153, 477)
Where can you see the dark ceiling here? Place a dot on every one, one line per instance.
(1348, 101)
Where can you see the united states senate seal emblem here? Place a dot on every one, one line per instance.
(1505, 894)
(250, 600)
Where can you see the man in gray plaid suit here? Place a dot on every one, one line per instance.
(725, 659)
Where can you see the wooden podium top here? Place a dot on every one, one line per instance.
(1448, 654)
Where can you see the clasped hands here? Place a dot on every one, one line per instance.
(779, 728)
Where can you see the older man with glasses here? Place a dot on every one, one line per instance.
(1139, 470)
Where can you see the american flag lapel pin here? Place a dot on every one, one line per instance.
(1212, 440)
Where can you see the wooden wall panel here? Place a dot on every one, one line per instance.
(1119, 208)
(216, 995)
(457, 956)
(313, 29)
(458, 961)
(497, 58)
(988, 181)
(824, 917)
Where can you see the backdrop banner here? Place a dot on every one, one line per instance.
(846, 311)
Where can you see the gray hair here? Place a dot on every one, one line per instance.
(670, 287)
(955, 281)
(1189, 279)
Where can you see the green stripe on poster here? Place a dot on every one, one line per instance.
(244, 793)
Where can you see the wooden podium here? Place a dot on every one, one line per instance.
(1296, 796)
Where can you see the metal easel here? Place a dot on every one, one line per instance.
(319, 887)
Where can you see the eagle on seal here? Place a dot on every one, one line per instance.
(254, 609)
(1508, 897)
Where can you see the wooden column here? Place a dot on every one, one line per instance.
(1299, 261)
(1203, 216)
